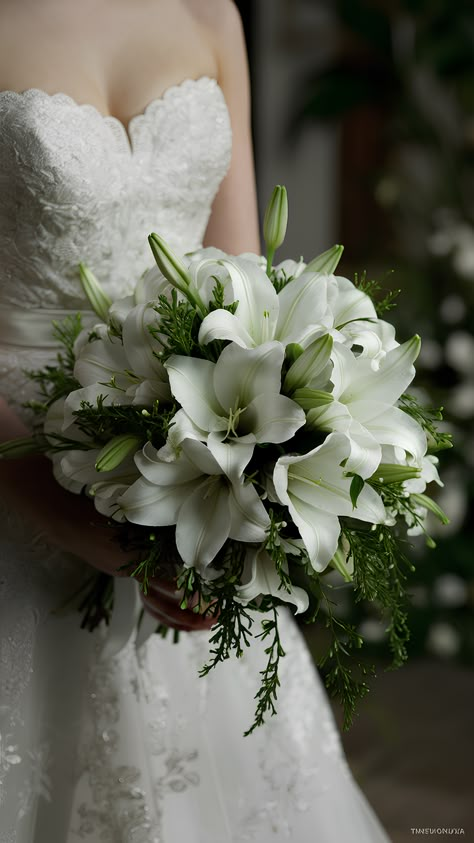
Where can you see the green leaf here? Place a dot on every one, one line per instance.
(357, 484)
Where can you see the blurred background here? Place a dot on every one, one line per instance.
(364, 109)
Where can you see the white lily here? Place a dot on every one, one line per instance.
(193, 492)
(123, 370)
(361, 405)
(234, 403)
(295, 315)
(375, 339)
(260, 578)
(75, 470)
(316, 490)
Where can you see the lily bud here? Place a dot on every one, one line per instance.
(326, 262)
(114, 453)
(98, 298)
(309, 364)
(308, 399)
(343, 563)
(170, 265)
(388, 473)
(428, 503)
(276, 219)
(21, 447)
(175, 271)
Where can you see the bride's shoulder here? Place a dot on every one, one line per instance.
(220, 17)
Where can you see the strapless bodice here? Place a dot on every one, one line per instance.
(76, 185)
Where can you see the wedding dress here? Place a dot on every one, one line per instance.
(101, 740)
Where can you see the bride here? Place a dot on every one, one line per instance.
(118, 118)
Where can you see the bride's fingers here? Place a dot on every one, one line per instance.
(167, 588)
(171, 614)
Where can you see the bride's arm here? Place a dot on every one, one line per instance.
(71, 523)
(233, 225)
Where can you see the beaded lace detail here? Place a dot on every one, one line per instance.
(75, 186)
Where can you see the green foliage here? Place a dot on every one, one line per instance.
(343, 670)
(427, 417)
(102, 422)
(275, 549)
(379, 576)
(178, 326)
(57, 381)
(373, 289)
(267, 693)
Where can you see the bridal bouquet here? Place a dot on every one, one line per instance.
(252, 422)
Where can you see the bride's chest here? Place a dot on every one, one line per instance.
(53, 150)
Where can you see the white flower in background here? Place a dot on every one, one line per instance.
(459, 352)
(260, 577)
(193, 492)
(233, 404)
(361, 405)
(316, 490)
(452, 309)
(443, 640)
(450, 591)
(372, 630)
(455, 237)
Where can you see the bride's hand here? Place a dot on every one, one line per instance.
(163, 602)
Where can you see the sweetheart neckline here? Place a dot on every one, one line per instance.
(168, 93)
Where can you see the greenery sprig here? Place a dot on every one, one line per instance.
(427, 418)
(374, 289)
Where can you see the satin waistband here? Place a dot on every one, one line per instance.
(34, 328)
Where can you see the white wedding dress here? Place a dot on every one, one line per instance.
(101, 741)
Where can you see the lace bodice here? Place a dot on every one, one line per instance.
(76, 185)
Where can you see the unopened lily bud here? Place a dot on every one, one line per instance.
(175, 271)
(343, 563)
(276, 219)
(308, 399)
(309, 364)
(98, 298)
(21, 447)
(388, 473)
(114, 453)
(428, 503)
(326, 263)
(170, 265)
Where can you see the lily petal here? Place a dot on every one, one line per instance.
(391, 426)
(191, 381)
(242, 374)
(203, 524)
(249, 518)
(272, 418)
(347, 303)
(165, 473)
(233, 455)
(302, 303)
(102, 359)
(257, 299)
(222, 325)
(261, 578)
(151, 505)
